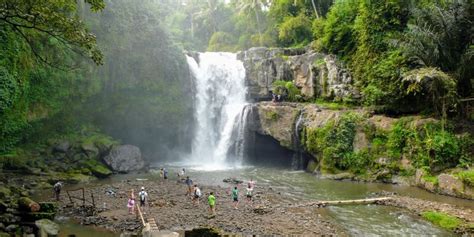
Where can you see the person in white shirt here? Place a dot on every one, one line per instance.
(143, 196)
(196, 195)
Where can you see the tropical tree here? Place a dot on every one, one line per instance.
(54, 19)
(442, 37)
(255, 6)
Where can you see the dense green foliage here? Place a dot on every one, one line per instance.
(332, 144)
(422, 142)
(402, 54)
(33, 20)
(31, 90)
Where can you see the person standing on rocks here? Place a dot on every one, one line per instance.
(143, 196)
(131, 203)
(251, 183)
(189, 183)
(161, 173)
(235, 197)
(57, 190)
(249, 193)
(197, 195)
(165, 174)
(211, 199)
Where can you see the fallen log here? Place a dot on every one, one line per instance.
(346, 202)
(26, 204)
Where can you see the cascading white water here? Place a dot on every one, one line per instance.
(220, 99)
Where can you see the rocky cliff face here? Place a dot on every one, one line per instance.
(279, 122)
(317, 75)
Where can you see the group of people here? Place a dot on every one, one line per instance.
(142, 195)
(248, 193)
(192, 190)
(276, 97)
(195, 192)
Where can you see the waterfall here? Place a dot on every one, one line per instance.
(297, 161)
(220, 101)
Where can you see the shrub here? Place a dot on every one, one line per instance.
(442, 147)
(397, 139)
(287, 89)
(333, 142)
(467, 177)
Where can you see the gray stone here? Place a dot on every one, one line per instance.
(124, 158)
(62, 147)
(47, 227)
(90, 150)
(11, 228)
(360, 141)
(449, 185)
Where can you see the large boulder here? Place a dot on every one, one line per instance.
(124, 158)
(47, 228)
(276, 120)
(449, 185)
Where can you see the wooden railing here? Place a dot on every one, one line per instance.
(83, 199)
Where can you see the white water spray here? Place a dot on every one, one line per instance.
(220, 99)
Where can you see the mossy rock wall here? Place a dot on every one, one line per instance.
(373, 147)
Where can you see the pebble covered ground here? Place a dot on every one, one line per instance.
(268, 214)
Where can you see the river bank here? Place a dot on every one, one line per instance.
(174, 211)
(274, 210)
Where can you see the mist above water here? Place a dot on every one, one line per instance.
(220, 101)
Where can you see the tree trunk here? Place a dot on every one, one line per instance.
(258, 28)
(315, 9)
(346, 202)
(26, 204)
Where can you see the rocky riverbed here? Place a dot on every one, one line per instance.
(268, 214)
